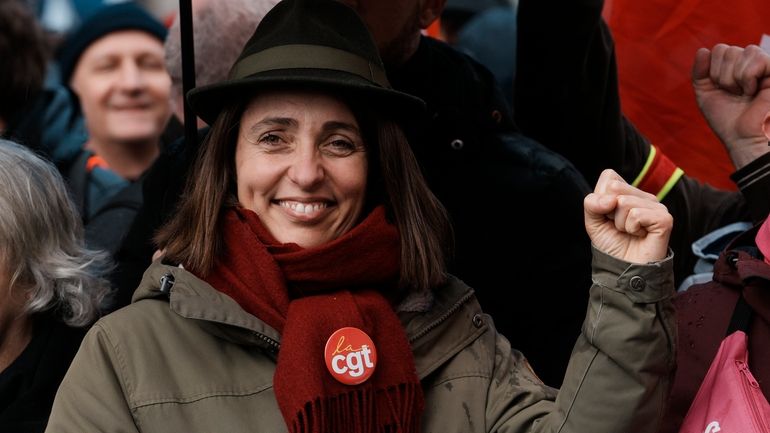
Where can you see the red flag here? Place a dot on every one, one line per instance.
(656, 41)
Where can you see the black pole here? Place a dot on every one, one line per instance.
(188, 69)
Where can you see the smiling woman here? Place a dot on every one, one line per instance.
(300, 164)
(303, 282)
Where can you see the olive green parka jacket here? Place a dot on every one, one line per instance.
(187, 358)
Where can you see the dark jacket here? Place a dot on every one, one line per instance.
(109, 204)
(208, 366)
(53, 126)
(28, 385)
(703, 316)
(162, 185)
(49, 123)
(516, 207)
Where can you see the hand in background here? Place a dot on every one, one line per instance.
(732, 87)
(626, 222)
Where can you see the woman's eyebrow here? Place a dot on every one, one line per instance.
(274, 121)
(334, 125)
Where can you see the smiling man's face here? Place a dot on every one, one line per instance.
(123, 87)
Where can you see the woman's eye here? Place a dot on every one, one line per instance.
(340, 147)
(272, 143)
(270, 139)
(343, 144)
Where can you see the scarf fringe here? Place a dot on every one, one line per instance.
(360, 411)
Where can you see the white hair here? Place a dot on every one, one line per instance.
(41, 240)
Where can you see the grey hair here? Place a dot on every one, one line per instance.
(41, 240)
(220, 30)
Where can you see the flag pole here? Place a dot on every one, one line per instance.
(188, 70)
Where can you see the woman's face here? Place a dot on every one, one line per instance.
(301, 165)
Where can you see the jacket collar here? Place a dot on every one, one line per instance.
(451, 323)
(737, 265)
(738, 268)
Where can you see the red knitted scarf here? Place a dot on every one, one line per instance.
(307, 294)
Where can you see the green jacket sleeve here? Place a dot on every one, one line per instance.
(621, 367)
(96, 366)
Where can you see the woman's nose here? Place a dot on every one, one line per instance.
(307, 168)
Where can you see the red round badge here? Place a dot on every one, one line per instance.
(350, 356)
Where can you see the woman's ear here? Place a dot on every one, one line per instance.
(430, 10)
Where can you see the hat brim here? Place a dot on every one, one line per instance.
(207, 101)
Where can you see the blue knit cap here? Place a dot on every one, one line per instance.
(108, 19)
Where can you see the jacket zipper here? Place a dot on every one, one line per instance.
(752, 395)
(274, 345)
(443, 317)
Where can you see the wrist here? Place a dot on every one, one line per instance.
(753, 180)
(744, 153)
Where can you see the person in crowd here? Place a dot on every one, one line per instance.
(50, 287)
(304, 285)
(213, 55)
(456, 14)
(35, 109)
(485, 30)
(113, 64)
(23, 73)
(469, 152)
(580, 88)
(215, 52)
(731, 89)
(740, 76)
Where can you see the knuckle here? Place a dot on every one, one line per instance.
(719, 48)
(625, 201)
(615, 186)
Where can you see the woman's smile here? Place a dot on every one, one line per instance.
(308, 211)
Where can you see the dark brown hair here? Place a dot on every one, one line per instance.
(25, 52)
(192, 237)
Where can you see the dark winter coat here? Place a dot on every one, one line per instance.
(28, 385)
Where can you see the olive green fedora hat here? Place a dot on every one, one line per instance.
(315, 44)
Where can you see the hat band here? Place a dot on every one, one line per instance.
(301, 56)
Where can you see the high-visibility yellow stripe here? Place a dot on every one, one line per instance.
(646, 167)
(678, 173)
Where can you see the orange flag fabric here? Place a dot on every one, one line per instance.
(656, 41)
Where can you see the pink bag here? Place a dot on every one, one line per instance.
(729, 400)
